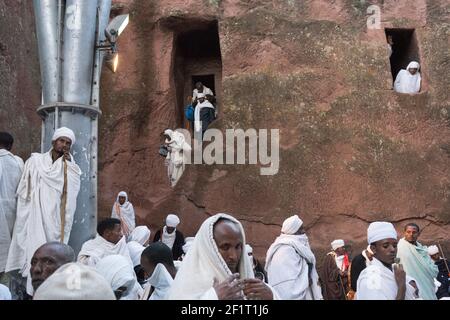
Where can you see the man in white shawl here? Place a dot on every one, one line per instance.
(139, 239)
(160, 270)
(124, 211)
(117, 270)
(216, 266)
(200, 88)
(382, 279)
(203, 114)
(291, 265)
(48, 180)
(108, 241)
(409, 80)
(11, 168)
(417, 263)
(178, 153)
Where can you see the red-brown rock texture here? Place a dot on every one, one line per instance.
(352, 151)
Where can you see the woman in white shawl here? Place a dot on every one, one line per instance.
(176, 157)
(409, 80)
(119, 273)
(124, 211)
(204, 272)
(139, 239)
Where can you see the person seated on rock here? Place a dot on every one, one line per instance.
(409, 80)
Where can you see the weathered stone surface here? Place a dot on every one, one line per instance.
(352, 151)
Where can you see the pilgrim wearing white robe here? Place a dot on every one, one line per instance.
(377, 282)
(94, 250)
(290, 264)
(138, 241)
(38, 219)
(418, 264)
(11, 168)
(206, 91)
(198, 123)
(203, 263)
(125, 213)
(176, 158)
(160, 281)
(116, 269)
(405, 82)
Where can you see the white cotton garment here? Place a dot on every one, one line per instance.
(125, 213)
(377, 282)
(206, 91)
(168, 238)
(179, 152)
(140, 234)
(287, 268)
(38, 219)
(405, 82)
(161, 281)
(117, 270)
(11, 168)
(5, 294)
(94, 250)
(198, 108)
(135, 249)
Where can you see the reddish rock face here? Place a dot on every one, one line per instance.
(352, 151)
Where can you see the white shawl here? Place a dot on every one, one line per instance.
(135, 249)
(203, 263)
(287, 268)
(38, 218)
(377, 282)
(168, 238)
(160, 280)
(125, 213)
(405, 82)
(11, 168)
(198, 108)
(117, 270)
(94, 250)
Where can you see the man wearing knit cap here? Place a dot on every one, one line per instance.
(172, 237)
(416, 261)
(291, 265)
(47, 195)
(382, 279)
(334, 274)
(444, 272)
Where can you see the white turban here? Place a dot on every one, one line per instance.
(249, 248)
(200, 95)
(413, 65)
(5, 294)
(339, 243)
(188, 242)
(172, 221)
(291, 225)
(64, 132)
(380, 230)
(432, 250)
(75, 281)
(140, 234)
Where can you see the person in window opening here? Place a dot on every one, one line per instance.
(390, 45)
(204, 114)
(200, 88)
(409, 80)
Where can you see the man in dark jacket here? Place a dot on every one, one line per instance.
(444, 274)
(170, 236)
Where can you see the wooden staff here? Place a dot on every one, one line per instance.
(63, 202)
(445, 260)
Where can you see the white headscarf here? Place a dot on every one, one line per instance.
(161, 280)
(86, 284)
(119, 273)
(339, 243)
(64, 132)
(406, 82)
(140, 234)
(432, 250)
(5, 294)
(380, 230)
(291, 225)
(203, 263)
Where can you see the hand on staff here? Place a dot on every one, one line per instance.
(230, 289)
(66, 155)
(255, 289)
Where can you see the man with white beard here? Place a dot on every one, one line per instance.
(47, 195)
(291, 265)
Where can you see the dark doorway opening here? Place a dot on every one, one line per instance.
(404, 49)
(207, 80)
(197, 58)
